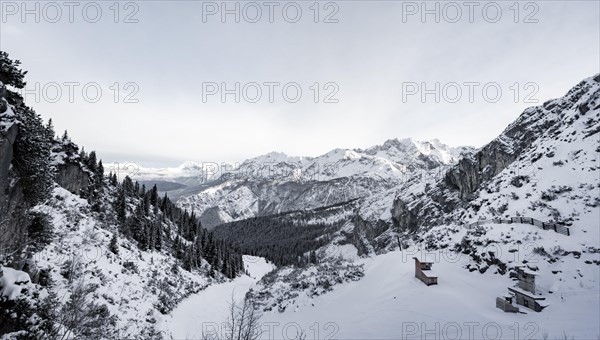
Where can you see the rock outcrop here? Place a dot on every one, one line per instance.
(403, 217)
(490, 160)
(3, 103)
(72, 177)
(13, 208)
(462, 182)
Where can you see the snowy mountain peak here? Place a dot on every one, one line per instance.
(276, 182)
(408, 151)
(189, 166)
(272, 157)
(351, 155)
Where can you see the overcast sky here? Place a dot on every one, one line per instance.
(372, 57)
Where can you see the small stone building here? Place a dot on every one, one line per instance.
(523, 293)
(527, 299)
(424, 266)
(526, 279)
(505, 303)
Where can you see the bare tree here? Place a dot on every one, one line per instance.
(12, 239)
(81, 317)
(243, 322)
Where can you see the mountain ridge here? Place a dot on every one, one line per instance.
(198, 169)
(275, 183)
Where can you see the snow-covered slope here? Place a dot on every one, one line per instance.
(205, 311)
(390, 303)
(121, 290)
(557, 177)
(379, 297)
(84, 256)
(545, 165)
(136, 286)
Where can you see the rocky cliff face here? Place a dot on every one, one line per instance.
(517, 156)
(403, 216)
(7, 139)
(13, 208)
(72, 177)
(3, 103)
(14, 204)
(489, 161)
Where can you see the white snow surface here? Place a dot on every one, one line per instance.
(12, 282)
(208, 310)
(390, 303)
(131, 284)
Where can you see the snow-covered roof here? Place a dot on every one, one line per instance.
(525, 270)
(526, 293)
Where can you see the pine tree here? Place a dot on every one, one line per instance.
(224, 265)
(154, 197)
(91, 161)
(113, 246)
(164, 204)
(100, 170)
(32, 156)
(50, 134)
(128, 186)
(10, 73)
(313, 257)
(114, 180)
(146, 203)
(83, 155)
(138, 226)
(99, 180)
(39, 231)
(177, 247)
(187, 259)
(158, 237)
(121, 206)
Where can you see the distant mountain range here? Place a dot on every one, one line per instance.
(275, 182)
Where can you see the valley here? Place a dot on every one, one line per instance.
(403, 240)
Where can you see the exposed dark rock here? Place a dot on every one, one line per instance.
(13, 207)
(3, 103)
(366, 232)
(403, 217)
(7, 140)
(583, 108)
(73, 177)
(477, 168)
(490, 160)
(462, 182)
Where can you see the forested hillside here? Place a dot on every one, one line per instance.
(288, 238)
(57, 206)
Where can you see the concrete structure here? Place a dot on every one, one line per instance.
(505, 303)
(525, 298)
(420, 267)
(526, 279)
(523, 293)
